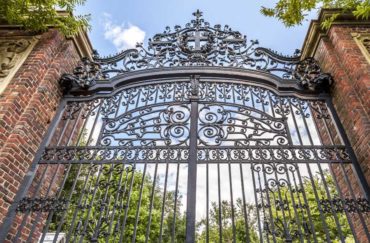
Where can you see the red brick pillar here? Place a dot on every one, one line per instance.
(344, 52)
(29, 97)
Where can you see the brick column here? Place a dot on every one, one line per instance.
(344, 52)
(30, 97)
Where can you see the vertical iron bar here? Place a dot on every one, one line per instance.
(163, 203)
(192, 169)
(244, 204)
(103, 203)
(91, 203)
(256, 201)
(232, 204)
(175, 204)
(327, 190)
(139, 204)
(271, 219)
(86, 187)
(287, 172)
(116, 203)
(151, 203)
(310, 174)
(40, 213)
(268, 205)
(127, 203)
(126, 170)
(219, 203)
(66, 176)
(207, 202)
(51, 214)
(42, 178)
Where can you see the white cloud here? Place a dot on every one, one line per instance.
(122, 36)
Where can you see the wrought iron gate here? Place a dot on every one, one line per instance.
(201, 138)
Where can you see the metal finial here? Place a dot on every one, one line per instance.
(198, 14)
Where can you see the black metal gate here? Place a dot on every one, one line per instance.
(201, 138)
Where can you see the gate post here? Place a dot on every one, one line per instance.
(343, 50)
(31, 65)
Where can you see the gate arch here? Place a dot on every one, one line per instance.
(203, 138)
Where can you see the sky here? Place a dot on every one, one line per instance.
(119, 24)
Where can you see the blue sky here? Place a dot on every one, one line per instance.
(118, 24)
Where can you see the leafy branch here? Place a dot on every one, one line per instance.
(39, 15)
(294, 12)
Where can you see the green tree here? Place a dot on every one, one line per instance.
(38, 15)
(108, 202)
(226, 223)
(286, 207)
(294, 12)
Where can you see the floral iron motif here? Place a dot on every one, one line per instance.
(42, 204)
(341, 205)
(199, 44)
(84, 75)
(309, 73)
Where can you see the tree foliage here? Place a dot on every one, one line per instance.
(243, 232)
(106, 205)
(293, 213)
(294, 12)
(38, 15)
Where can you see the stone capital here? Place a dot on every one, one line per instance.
(316, 33)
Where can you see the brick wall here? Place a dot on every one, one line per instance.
(339, 55)
(27, 106)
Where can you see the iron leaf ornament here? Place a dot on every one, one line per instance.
(199, 44)
(83, 76)
(310, 76)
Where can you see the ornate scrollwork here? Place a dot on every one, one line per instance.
(280, 154)
(239, 126)
(41, 204)
(129, 99)
(271, 168)
(341, 205)
(157, 125)
(113, 154)
(199, 44)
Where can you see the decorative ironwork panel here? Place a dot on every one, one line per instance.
(269, 168)
(227, 125)
(199, 44)
(151, 126)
